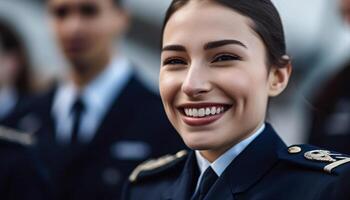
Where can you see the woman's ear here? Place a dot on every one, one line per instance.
(278, 79)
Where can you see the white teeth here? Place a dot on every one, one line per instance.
(187, 112)
(213, 110)
(207, 111)
(219, 110)
(194, 112)
(203, 112)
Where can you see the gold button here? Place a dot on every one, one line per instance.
(294, 149)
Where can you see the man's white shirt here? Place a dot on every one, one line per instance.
(98, 97)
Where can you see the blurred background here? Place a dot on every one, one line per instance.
(317, 38)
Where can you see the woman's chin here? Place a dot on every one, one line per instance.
(198, 145)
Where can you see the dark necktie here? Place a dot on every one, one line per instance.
(78, 109)
(208, 179)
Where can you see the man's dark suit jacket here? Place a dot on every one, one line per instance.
(134, 129)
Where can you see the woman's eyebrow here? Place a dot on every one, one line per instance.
(219, 43)
(173, 48)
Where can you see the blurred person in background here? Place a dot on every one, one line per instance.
(345, 10)
(94, 127)
(330, 119)
(22, 176)
(15, 82)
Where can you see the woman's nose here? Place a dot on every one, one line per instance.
(196, 81)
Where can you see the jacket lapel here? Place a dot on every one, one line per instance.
(183, 187)
(109, 129)
(249, 167)
(120, 110)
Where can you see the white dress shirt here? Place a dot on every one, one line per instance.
(8, 101)
(221, 163)
(97, 96)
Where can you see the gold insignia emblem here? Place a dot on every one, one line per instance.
(155, 163)
(320, 155)
(335, 160)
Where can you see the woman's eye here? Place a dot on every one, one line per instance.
(174, 61)
(225, 57)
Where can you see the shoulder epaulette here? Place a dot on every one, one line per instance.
(156, 164)
(14, 136)
(316, 158)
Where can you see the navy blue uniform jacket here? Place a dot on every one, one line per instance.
(265, 170)
(22, 177)
(98, 170)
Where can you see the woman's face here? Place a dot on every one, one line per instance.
(214, 80)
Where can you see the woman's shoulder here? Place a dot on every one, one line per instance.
(315, 158)
(155, 167)
(298, 172)
(294, 172)
(150, 177)
(314, 170)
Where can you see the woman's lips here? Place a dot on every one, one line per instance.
(191, 121)
(203, 113)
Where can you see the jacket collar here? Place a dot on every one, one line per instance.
(185, 184)
(243, 172)
(251, 165)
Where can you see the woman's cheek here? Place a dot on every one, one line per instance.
(170, 85)
(235, 83)
(169, 88)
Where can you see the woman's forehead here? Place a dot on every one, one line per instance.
(203, 21)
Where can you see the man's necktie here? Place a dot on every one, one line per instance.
(78, 109)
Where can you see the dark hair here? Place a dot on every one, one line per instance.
(267, 24)
(10, 41)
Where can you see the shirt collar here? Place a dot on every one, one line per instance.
(99, 93)
(220, 164)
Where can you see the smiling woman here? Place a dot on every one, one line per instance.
(221, 62)
(224, 68)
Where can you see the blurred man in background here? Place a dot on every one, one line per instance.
(330, 122)
(98, 124)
